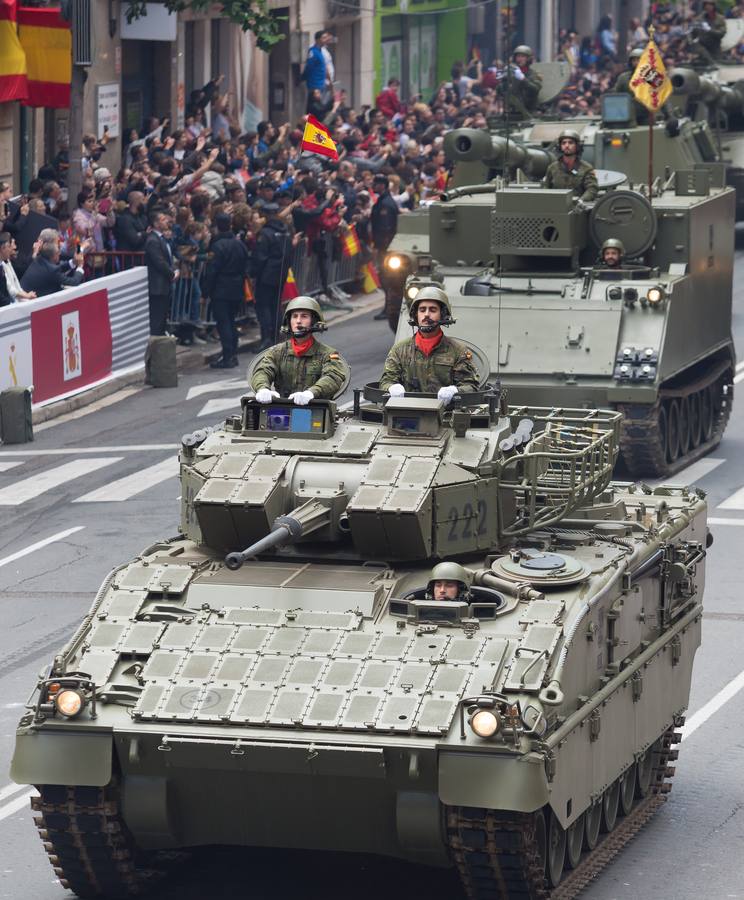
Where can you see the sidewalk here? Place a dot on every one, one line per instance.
(190, 359)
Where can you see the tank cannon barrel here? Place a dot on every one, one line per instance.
(474, 145)
(286, 529)
(688, 83)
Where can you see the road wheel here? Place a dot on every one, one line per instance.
(707, 412)
(574, 842)
(645, 771)
(627, 789)
(541, 841)
(662, 423)
(684, 425)
(610, 802)
(592, 824)
(695, 419)
(556, 851)
(673, 442)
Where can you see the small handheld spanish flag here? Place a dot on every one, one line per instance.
(350, 242)
(650, 83)
(317, 139)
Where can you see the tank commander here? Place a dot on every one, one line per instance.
(521, 86)
(429, 362)
(301, 368)
(570, 171)
(622, 86)
(449, 581)
(708, 30)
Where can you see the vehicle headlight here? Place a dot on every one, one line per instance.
(655, 295)
(69, 702)
(412, 291)
(394, 263)
(485, 722)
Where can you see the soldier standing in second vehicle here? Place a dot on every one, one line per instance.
(523, 85)
(570, 172)
(622, 86)
(300, 368)
(429, 362)
(709, 30)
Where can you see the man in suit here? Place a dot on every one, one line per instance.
(160, 273)
(46, 275)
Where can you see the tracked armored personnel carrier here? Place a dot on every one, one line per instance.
(286, 644)
(651, 339)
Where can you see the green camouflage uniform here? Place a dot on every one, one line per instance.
(522, 95)
(450, 363)
(707, 44)
(582, 180)
(320, 370)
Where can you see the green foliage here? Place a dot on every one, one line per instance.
(251, 15)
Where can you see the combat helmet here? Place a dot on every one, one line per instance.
(523, 49)
(612, 244)
(634, 56)
(431, 292)
(311, 305)
(451, 571)
(573, 135)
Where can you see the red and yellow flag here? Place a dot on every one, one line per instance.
(47, 42)
(13, 82)
(350, 242)
(289, 291)
(317, 139)
(650, 83)
(370, 278)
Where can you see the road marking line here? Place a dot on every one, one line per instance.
(712, 706)
(738, 378)
(31, 487)
(219, 404)
(735, 501)
(229, 384)
(11, 789)
(4, 466)
(60, 536)
(131, 485)
(715, 521)
(76, 451)
(15, 805)
(740, 366)
(691, 474)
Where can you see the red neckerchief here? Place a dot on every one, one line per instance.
(300, 348)
(427, 344)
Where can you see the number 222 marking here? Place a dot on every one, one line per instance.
(470, 519)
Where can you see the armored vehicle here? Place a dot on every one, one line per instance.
(651, 338)
(212, 688)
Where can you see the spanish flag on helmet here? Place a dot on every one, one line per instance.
(317, 139)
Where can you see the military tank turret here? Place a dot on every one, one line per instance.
(287, 644)
(651, 339)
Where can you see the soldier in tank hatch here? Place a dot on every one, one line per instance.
(612, 254)
(570, 171)
(449, 581)
(429, 362)
(301, 368)
(708, 30)
(521, 86)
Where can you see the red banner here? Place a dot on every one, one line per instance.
(71, 345)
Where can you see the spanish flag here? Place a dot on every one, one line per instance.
(350, 242)
(47, 41)
(370, 278)
(317, 139)
(289, 291)
(13, 82)
(650, 83)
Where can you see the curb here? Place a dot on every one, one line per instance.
(187, 359)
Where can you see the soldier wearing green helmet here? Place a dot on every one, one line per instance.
(612, 254)
(521, 86)
(300, 368)
(709, 29)
(449, 581)
(429, 362)
(569, 171)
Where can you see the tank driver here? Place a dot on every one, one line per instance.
(570, 171)
(612, 254)
(449, 581)
(301, 368)
(429, 362)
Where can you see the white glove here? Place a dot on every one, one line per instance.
(302, 398)
(518, 73)
(396, 390)
(446, 393)
(266, 395)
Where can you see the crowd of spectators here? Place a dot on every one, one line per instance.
(274, 197)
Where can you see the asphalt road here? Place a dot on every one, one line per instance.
(94, 489)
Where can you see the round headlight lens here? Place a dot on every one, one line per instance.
(69, 702)
(485, 723)
(394, 263)
(655, 295)
(412, 292)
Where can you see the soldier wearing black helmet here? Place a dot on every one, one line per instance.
(449, 581)
(569, 171)
(300, 368)
(521, 86)
(429, 362)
